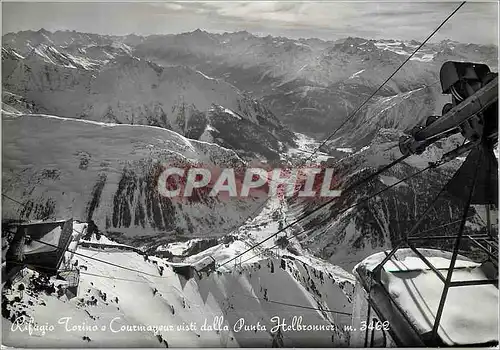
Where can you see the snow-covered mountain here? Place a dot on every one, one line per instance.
(108, 84)
(309, 84)
(401, 111)
(312, 84)
(25, 41)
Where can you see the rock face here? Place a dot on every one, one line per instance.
(63, 167)
(360, 222)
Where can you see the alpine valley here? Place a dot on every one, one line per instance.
(89, 121)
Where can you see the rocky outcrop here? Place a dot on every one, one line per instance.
(353, 227)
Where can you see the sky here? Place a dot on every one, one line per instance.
(475, 22)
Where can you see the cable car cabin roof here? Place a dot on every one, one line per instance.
(204, 263)
(406, 292)
(44, 257)
(34, 224)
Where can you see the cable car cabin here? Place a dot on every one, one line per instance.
(41, 246)
(398, 297)
(206, 264)
(72, 278)
(427, 297)
(183, 270)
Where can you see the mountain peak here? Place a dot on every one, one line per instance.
(199, 31)
(43, 31)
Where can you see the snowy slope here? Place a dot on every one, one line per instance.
(147, 297)
(63, 167)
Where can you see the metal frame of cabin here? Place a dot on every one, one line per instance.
(445, 126)
(488, 243)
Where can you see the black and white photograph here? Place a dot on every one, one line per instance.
(257, 174)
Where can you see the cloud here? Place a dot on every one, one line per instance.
(173, 6)
(390, 19)
(393, 19)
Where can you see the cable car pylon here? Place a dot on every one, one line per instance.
(473, 114)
